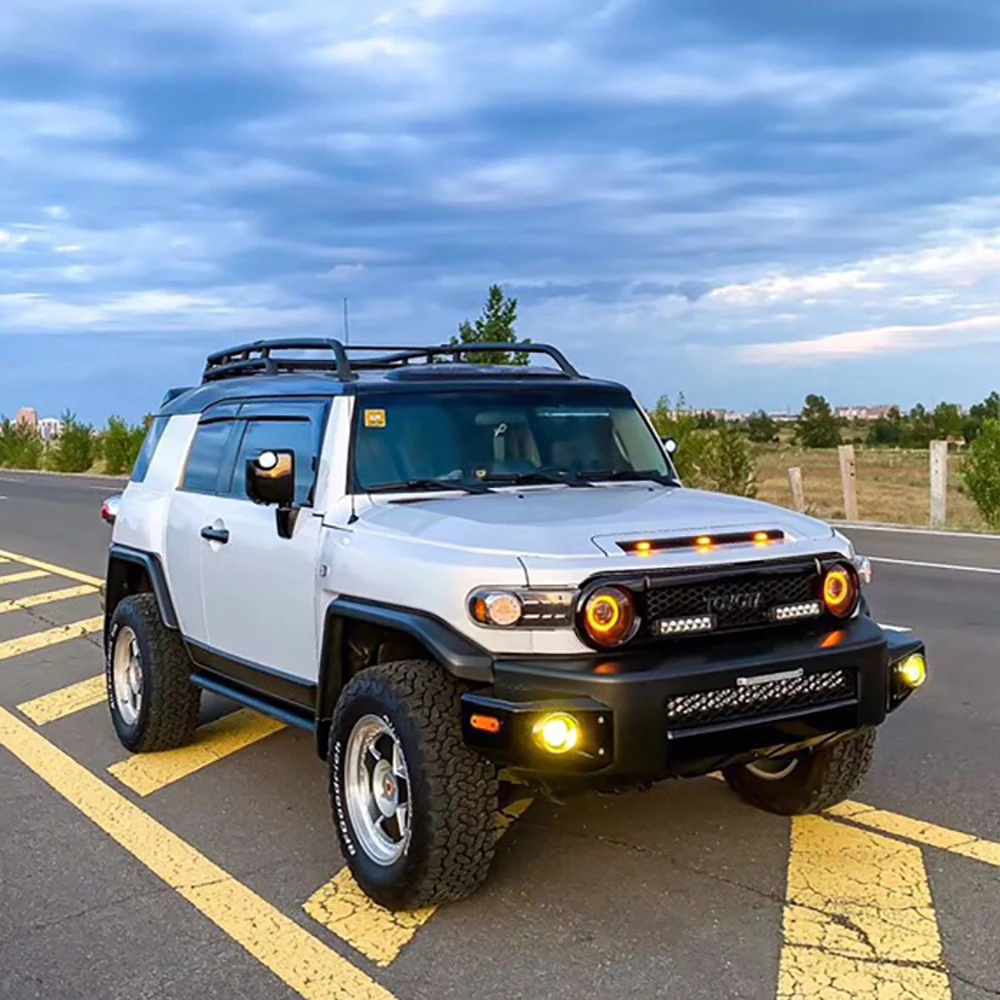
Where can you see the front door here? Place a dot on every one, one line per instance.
(259, 589)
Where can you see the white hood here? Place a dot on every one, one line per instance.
(562, 522)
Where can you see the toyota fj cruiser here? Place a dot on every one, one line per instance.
(450, 572)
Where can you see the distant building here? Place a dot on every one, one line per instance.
(50, 428)
(27, 416)
(863, 413)
(784, 417)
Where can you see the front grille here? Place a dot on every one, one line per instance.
(738, 601)
(767, 698)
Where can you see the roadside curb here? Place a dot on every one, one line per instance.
(913, 530)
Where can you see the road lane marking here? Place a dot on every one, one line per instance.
(300, 960)
(903, 529)
(859, 918)
(22, 603)
(380, 935)
(39, 640)
(65, 701)
(23, 576)
(929, 834)
(146, 773)
(930, 565)
(70, 574)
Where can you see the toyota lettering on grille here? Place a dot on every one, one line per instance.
(728, 603)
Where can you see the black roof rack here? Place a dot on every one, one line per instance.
(258, 357)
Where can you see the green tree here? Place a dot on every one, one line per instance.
(947, 420)
(981, 472)
(21, 447)
(76, 448)
(730, 465)
(494, 326)
(920, 430)
(680, 423)
(706, 420)
(121, 443)
(817, 426)
(762, 428)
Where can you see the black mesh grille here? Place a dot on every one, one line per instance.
(734, 602)
(768, 698)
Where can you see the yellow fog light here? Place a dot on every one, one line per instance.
(913, 671)
(557, 733)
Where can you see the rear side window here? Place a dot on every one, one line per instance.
(201, 475)
(153, 435)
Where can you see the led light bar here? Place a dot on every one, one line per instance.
(793, 612)
(684, 626)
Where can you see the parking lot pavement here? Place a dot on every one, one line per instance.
(213, 871)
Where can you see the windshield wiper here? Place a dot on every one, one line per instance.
(532, 478)
(431, 484)
(631, 476)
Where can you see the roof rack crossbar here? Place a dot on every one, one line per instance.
(256, 358)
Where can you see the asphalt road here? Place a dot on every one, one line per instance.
(683, 892)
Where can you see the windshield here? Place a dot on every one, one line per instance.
(414, 441)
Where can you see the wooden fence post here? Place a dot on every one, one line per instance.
(939, 484)
(795, 485)
(849, 480)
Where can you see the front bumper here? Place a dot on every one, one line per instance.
(640, 712)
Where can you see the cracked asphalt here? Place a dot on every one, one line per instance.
(681, 892)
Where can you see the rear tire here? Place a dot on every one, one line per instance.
(415, 809)
(154, 705)
(818, 780)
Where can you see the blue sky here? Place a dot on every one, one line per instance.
(744, 200)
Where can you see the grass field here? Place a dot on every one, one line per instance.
(893, 486)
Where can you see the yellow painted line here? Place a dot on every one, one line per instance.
(380, 935)
(919, 832)
(859, 921)
(39, 640)
(28, 574)
(146, 773)
(65, 701)
(70, 574)
(21, 603)
(298, 959)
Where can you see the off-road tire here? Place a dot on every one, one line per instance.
(168, 714)
(821, 778)
(453, 791)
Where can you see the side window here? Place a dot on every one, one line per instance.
(201, 475)
(299, 436)
(145, 456)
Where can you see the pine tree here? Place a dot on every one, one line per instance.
(494, 326)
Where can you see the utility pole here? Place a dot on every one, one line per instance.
(347, 329)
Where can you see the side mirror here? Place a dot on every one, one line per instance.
(670, 444)
(271, 478)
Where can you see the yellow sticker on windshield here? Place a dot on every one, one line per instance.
(374, 418)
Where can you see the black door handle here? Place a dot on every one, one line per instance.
(215, 534)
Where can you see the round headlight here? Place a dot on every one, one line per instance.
(840, 591)
(609, 616)
(497, 607)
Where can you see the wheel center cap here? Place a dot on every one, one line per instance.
(384, 788)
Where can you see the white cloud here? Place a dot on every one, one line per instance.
(343, 273)
(880, 340)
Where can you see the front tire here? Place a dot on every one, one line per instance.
(154, 706)
(807, 782)
(415, 809)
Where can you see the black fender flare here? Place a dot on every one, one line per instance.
(119, 554)
(460, 656)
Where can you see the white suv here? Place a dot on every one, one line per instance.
(445, 569)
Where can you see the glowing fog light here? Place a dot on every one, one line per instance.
(557, 733)
(913, 671)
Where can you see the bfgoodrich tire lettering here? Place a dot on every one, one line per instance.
(167, 713)
(453, 791)
(819, 780)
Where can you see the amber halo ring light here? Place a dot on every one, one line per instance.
(608, 616)
(840, 591)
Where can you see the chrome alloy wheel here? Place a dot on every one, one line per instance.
(377, 790)
(126, 676)
(773, 768)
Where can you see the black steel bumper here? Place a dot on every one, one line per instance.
(621, 703)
